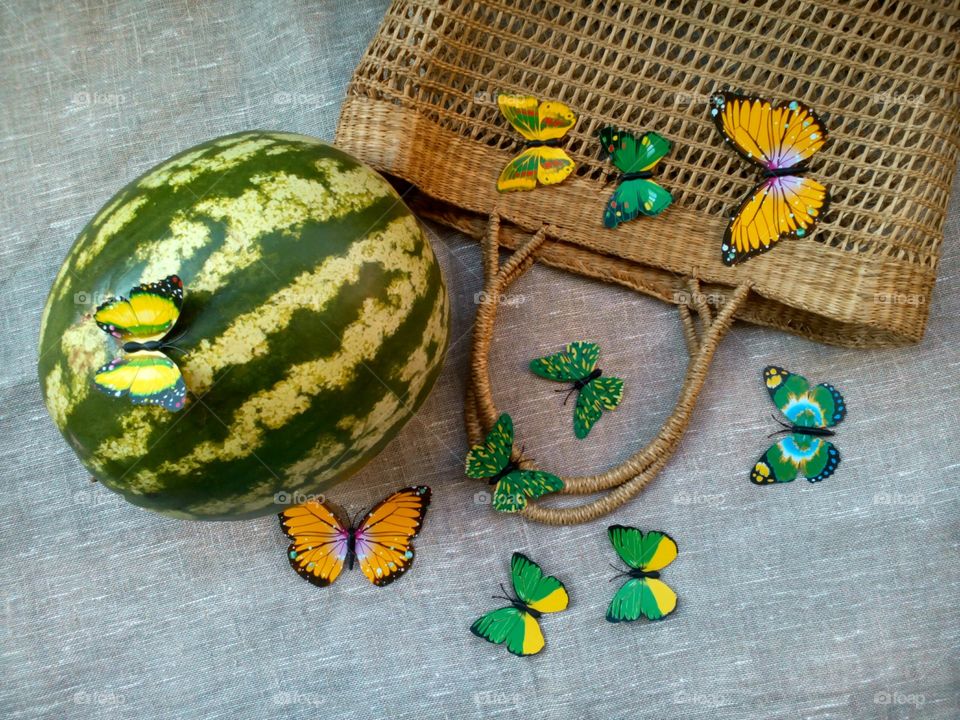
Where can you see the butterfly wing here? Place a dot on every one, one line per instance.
(630, 153)
(383, 538)
(602, 393)
(319, 540)
(813, 457)
(650, 551)
(635, 197)
(821, 407)
(516, 629)
(776, 209)
(548, 165)
(642, 597)
(147, 378)
(554, 120)
(577, 361)
(149, 314)
(771, 136)
(542, 593)
(490, 457)
(513, 490)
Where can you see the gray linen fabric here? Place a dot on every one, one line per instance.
(829, 601)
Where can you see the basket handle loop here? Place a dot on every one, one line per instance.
(621, 483)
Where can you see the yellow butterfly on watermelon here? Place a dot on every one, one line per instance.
(541, 124)
(323, 541)
(779, 139)
(142, 322)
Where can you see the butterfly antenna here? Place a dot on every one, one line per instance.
(171, 346)
(620, 573)
(571, 392)
(786, 428)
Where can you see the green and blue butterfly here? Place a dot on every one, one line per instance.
(635, 157)
(578, 365)
(804, 450)
(516, 626)
(492, 461)
(644, 594)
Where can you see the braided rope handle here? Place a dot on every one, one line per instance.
(619, 484)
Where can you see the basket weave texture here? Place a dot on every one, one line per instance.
(884, 77)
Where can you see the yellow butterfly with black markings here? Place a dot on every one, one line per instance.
(780, 139)
(142, 322)
(541, 124)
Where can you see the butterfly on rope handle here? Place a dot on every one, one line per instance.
(516, 626)
(635, 157)
(779, 139)
(578, 365)
(804, 449)
(644, 594)
(323, 541)
(491, 461)
(142, 322)
(541, 124)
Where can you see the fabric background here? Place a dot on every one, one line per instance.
(829, 601)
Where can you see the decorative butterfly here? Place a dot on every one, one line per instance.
(516, 626)
(491, 461)
(779, 139)
(635, 158)
(322, 541)
(142, 323)
(804, 450)
(578, 365)
(542, 124)
(644, 593)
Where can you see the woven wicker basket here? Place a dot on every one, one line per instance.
(883, 76)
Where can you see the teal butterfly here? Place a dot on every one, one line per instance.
(516, 626)
(578, 365)
(491, 461)
(805, 449)
(644, 594)
(635, 157)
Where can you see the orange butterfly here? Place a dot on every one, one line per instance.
(322, 541)
(779, 139)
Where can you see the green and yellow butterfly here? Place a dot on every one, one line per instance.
(635, 158)
(578, 365)
(142, 322)
(541, 124)
(516, 626)
(805, 449)
(644, 594)
(491, 461)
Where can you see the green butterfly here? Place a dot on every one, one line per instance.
(578, 364)
(804, 449)
(491, 461)
(644, 593)
(516, 626)
(635, 158)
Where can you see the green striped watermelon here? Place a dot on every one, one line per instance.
(316, 321)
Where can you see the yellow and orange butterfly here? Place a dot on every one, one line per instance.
(142, 322)
(779, 139)
(542, 124)
(322, 541)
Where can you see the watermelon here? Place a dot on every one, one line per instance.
(315, 322)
